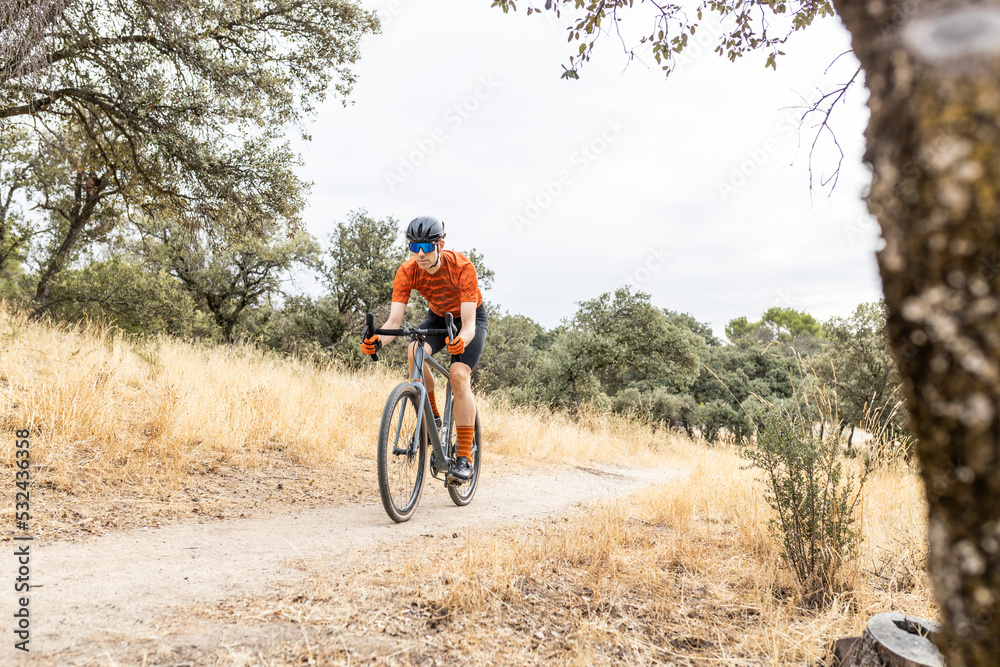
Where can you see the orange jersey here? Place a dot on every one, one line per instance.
(453, 284)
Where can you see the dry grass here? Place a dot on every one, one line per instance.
(683, 574)
(104, 407)
(129, 432)
(540, 435)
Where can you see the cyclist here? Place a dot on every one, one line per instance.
(448, 280)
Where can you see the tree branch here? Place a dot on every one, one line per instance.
(29, 108)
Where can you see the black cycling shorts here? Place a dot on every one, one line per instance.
(470, 356)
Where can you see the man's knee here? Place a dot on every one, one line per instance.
(461, 375)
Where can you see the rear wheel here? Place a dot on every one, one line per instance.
(402, 446)
(461, 494)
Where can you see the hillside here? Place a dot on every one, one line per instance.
(141, 432)
(162, 444)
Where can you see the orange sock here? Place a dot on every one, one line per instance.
(465, 435)
(434, 405)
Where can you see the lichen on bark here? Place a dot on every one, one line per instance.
(934, 148)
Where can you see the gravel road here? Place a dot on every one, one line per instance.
(124, 583)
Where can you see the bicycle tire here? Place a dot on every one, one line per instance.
(461, 494)
(401, 474)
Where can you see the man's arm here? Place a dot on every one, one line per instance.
(395, 321)
(468, 331)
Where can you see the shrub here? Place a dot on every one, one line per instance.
(712, 417)
(814, 499)
(677, 410)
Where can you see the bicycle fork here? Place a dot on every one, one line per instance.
(439, 458)
(410, 450)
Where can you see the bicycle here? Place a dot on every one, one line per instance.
(408, 417)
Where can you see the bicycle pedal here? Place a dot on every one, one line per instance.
(451, 480)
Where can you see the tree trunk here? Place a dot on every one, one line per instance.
(4, 208)
(934, 146)
(87, 194)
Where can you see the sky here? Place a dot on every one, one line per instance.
(692, 188)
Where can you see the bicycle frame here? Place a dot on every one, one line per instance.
(420, 357)
(439, 459)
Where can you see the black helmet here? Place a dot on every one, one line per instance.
(425, 228)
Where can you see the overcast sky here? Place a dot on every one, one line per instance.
(683, 187)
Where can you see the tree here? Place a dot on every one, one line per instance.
(79, 194)
(861, 368)
(798, 330)
(127, 294)
(741, 331)
(567, 376)
(788, 323)
(618, 342)
(153, 106)
(732, 373)
(361, 264)
(712, 417)
(931, 71)
(23, 25)
(733, 381)
(509, 361)
(300, 325)
(225, 275)
(776, 324)
(686, 321)
(15, 233)
(677, 410)
(636, 343)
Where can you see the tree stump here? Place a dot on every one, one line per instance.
(895, 640)
(843, 652)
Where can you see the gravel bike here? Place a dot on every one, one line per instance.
(408, 427)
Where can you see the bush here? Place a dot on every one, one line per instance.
(712, 417)
(814, 499)
(676, 410)
(629, 401)
(130, 297)
(510, 360)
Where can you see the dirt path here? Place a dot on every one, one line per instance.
(123, 583)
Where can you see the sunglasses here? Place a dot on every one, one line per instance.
(427, 247)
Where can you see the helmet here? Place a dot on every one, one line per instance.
(425, 228)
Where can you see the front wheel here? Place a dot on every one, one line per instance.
(402, 445)
(461, 494)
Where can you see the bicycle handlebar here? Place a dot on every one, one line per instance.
(411, 332)
(371, 329)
